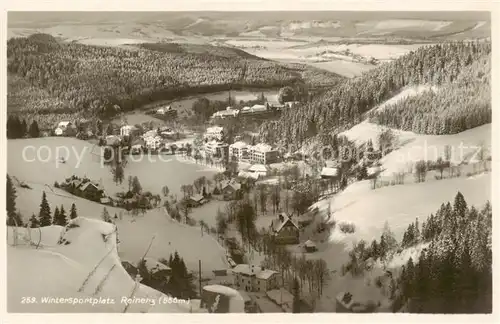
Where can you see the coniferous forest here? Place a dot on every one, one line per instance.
(51, 77)
(454, 273)
(460, 71)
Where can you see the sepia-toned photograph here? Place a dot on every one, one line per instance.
(249, 162)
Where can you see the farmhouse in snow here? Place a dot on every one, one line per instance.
(310, 246)
(254, 278)
(285, 231)
(196, 200)
(230, 189)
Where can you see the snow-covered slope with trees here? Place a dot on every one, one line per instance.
(79, 262)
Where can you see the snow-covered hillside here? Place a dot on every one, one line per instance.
(65, 271)
(135, 233)
(399, 205)
(414, 147)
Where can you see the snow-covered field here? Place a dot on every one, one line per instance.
(399, 205)
(84, 159)
(135, 232)
(66, 271)
(406, 93)
(344, 68)
(286, 50)
(434, 25)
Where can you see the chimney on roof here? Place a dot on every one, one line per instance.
(281, 218)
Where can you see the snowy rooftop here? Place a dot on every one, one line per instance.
(310, 243)
(258, 168)
(223, 290)
(155, 266)
(261, 147)
(373, 170)
(245, 174)
(277, 224)
(329, 172)
(253, 270)
(234, 185)
(196, 197)
(265, 274)
(89, 183)
(215, 143)
(228, 112)
(214, 129)
(258, 107)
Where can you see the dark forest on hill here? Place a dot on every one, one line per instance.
(48, 77)
(460, 69)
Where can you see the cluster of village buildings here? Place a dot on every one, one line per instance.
(240, 151)
(256, 109)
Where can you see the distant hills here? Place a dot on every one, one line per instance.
(418, 25)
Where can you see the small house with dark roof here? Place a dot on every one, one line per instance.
(285, 230)
(196, 200)
(230, 189)
(310, 246)
(91, 190)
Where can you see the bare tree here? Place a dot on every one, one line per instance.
(447, 158)
(440, 165)
(374, 181)
(481, 155)
(420, 171)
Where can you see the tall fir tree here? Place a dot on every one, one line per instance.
(34, 130)
(13, 218)
(14, 127)
(34, 223)
(44, 216)
(24, 128)
(460, 206)
(60, 219)
(56, 216)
